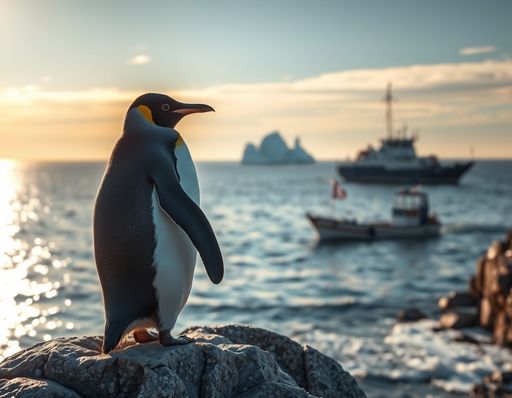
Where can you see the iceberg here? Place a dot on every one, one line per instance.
(273, 150)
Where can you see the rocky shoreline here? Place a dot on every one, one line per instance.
(486, 304)
(225, 361)
(488, 301)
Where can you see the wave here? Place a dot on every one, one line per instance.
(464, 228)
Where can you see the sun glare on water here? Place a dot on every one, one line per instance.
(24, 264)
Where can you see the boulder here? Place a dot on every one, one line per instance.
(458, 318)
(490, 289)
(456, 299)
(496, 385)
(410, 315)
(487, 314)
(225, 361)
(465, 338)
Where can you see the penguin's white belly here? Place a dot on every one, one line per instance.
(174, 261)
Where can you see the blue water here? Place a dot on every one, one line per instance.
(342, 299)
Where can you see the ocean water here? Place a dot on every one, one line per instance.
(340, 298)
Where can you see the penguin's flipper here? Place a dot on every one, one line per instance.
(183, 210)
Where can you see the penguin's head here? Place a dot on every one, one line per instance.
(165, 111)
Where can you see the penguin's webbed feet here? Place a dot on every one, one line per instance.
(165, 338)
(144, 336)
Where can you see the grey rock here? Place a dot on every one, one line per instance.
(22, 387)
(410, 315)
(465, 338)
(457, 299)
(496, 385)
(226, 361)
(459, 317)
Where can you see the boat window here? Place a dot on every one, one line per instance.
(410, 201)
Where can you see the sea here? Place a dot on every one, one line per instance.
(342, 299)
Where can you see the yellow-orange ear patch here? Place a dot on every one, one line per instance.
(146, 112)
(179, 141)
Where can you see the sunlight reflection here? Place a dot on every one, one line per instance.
(7, 226)
(10, 276)
(27, 289)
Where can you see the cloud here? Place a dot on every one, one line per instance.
(477, 50)
(335, 113)
(415, 79)
(358, 84)
(140, 59)
(33, 94)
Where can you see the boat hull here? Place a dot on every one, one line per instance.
(441, 175)
(330, 229)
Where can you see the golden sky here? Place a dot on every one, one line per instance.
(453, 106)
(70, 70)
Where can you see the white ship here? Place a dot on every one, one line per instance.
(396, 161)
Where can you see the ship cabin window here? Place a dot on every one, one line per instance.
(408, 201)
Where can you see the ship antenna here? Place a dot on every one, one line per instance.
(388, 99)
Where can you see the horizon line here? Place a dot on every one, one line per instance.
(321, 160)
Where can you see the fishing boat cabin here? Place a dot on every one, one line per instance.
(410, 208)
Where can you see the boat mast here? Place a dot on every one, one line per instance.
(388, 99)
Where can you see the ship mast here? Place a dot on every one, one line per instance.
(388, 99)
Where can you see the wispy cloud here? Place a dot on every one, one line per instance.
(139, 59)
(477, 50)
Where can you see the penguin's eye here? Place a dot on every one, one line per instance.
(165, 107)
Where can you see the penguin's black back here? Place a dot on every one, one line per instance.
(124, 239)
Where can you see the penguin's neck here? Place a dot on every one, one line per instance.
(136, 124)
(186, 171)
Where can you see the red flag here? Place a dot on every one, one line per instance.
(337, 191)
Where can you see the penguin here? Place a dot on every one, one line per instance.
(148, 226)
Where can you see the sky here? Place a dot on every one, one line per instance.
(313, 69)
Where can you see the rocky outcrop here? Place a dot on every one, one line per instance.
(273, 150)
(496, 385)
(491, 285)
(488, 304)
(410, 315)
(489, 300)
(225, 361)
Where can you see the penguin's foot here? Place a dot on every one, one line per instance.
(144, 336)
(165, 338)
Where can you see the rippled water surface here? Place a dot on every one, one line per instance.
(342, 299)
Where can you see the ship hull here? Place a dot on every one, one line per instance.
(331, 229)
(440, 175)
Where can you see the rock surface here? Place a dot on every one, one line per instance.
(457, 299)
(226, 361)
(410, 315)
(273, 150)
(490, 292)
(488, 304)
(491, 286)
(459, 318)
(496, 385)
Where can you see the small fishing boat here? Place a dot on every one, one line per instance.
(410, 219)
